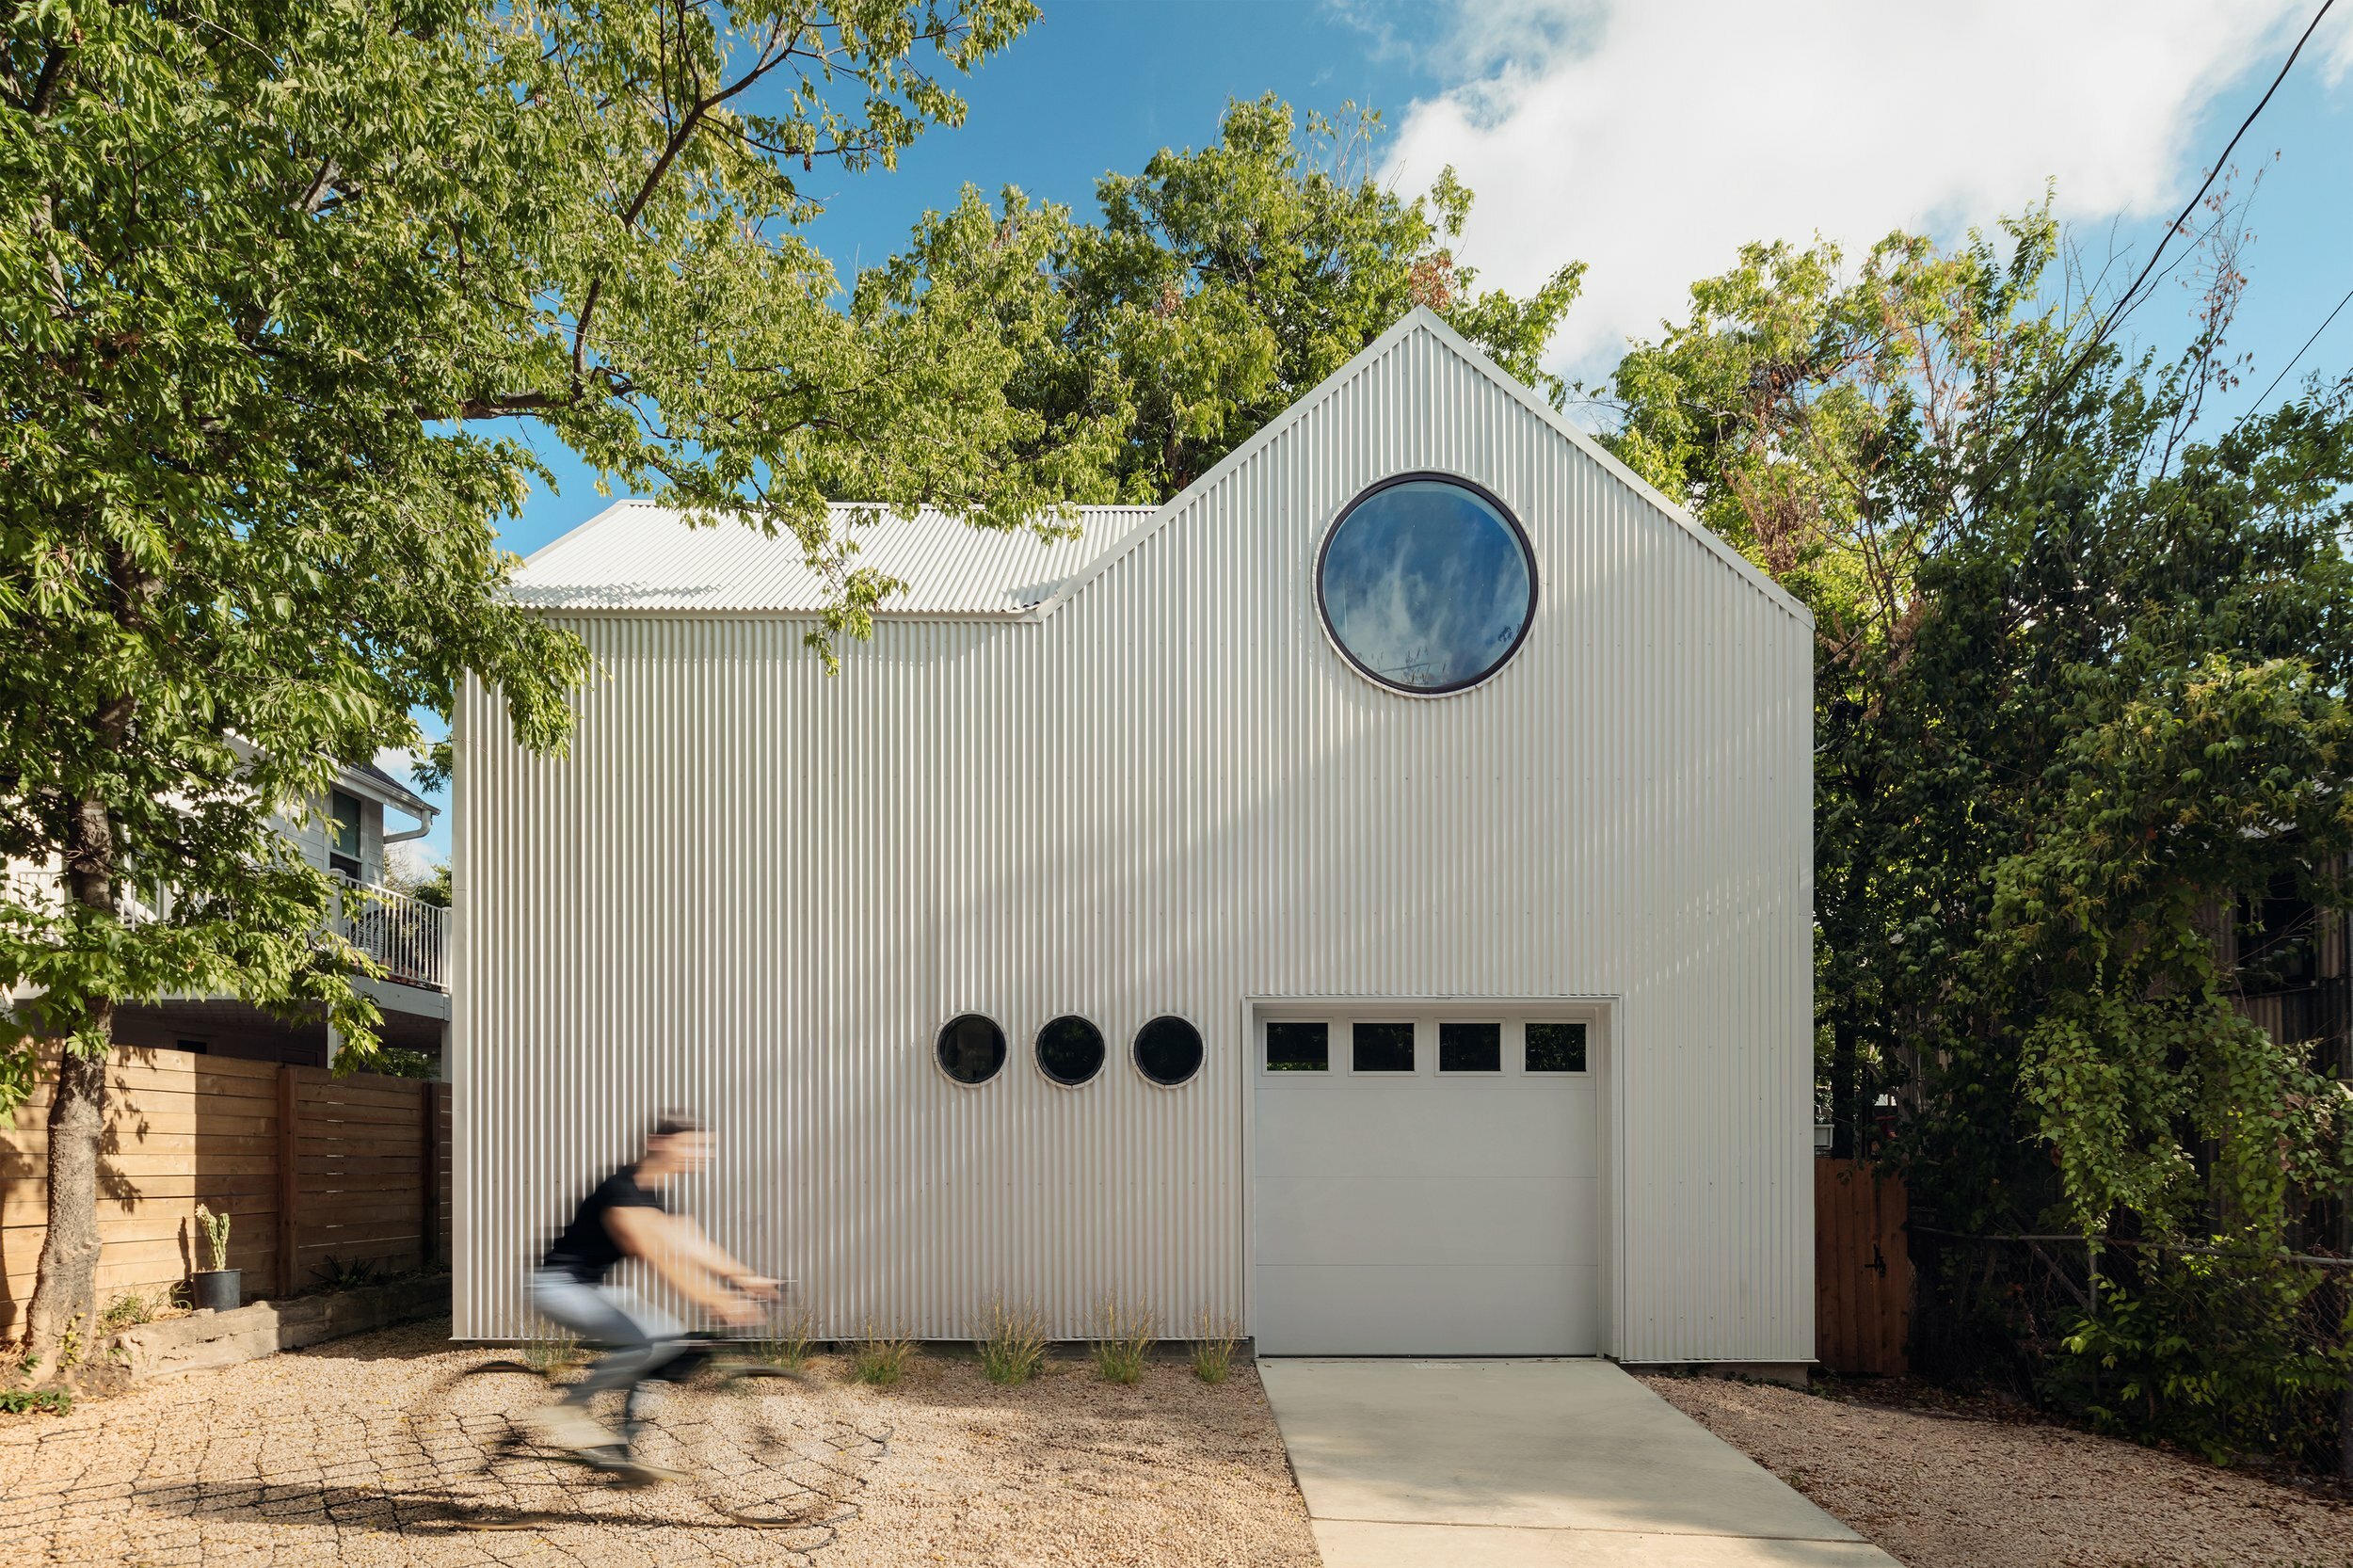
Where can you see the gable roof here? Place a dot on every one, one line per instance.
(1421, 319)
(638, 555)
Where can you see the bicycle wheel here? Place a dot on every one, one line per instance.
(766, 1451)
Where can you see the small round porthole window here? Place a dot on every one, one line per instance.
(972, 1048)
(1427, 584)
(1071, 1050)
(1168, 1050)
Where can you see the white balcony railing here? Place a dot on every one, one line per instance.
(407, 938)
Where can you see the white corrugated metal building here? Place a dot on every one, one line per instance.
(1367, 899)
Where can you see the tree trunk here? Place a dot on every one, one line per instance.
(63, 1312)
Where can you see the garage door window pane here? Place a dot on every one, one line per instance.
(1470, 1048)
(1556, 1048)
(1298, 1047)
(1384, 1048)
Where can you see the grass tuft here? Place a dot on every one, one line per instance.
(790, 1342)
(880, 1357)
(549, 1353)
(1213, 1341)
(1125, 1339)
(131, 1309)
(1011, 1343)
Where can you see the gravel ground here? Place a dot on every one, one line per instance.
(376, 1450)
(1977, 1487)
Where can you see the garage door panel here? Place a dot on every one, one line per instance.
(1419, 1128)
(1420, 1220)
(1450, 1309)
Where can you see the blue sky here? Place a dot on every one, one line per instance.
(1650, 141)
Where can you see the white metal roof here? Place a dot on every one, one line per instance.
(636, 556)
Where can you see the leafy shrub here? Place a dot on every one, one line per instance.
(2214, 1353)
(1213, 1341)
(337, 1273)
(880, 1358)
(1011, 1343)
(1124, 1342)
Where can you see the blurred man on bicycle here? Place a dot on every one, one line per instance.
(625, 1216)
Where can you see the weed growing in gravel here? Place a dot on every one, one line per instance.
(1126, 1339)
(788, 1341)
(1213, 1341)
(549, 1354)
(1012, 1342)
(27, 1401)
(879, 1358)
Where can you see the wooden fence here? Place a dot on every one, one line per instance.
(308, 1165)
(1862, 1270)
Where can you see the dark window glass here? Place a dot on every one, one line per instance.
(1427, 584)
(1168, 1050)
(1298, 1047)
(343, 834)
(1071, 1050)
(1383, 1047)
(1556, 1048)
(1470, 1048)
(972, 1048)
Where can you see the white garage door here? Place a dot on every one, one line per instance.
(1426, 1186)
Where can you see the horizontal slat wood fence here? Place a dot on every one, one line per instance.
(1862, 1270)
(310, 1166)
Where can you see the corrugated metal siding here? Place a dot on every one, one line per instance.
(635, 555)
(760, 892)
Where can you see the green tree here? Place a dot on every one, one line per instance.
(283, 286)
(1222, 283)
(2082, 681)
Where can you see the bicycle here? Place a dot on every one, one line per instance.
(697, 1422)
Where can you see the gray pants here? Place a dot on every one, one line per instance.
(643, 1338)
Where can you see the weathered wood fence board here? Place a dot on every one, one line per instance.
(310, 1166)
(1862, 1270)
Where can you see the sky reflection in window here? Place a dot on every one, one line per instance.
(1427, 586)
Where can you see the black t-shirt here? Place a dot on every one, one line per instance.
(586, 1250)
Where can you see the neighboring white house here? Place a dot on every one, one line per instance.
(1367, 899)
(345, 834)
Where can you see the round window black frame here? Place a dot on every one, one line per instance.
(1200, 1052)
(1102, 1050)
(1510, 520)
(939, 1051)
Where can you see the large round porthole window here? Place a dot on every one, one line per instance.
(1427, 584)
(1168, 1050)
(972, 1048)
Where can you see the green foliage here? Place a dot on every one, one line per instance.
(788, 1343)
(1213, 1341)
(129, 1310)
(1220, 285)
(353, 1273)
(549, 1353)
(2081, 682)
(2216, 1355)
(1122, 1340)
(1011, 1343)
(400, 1062)
(280, 286)
(30, 1402)
(881, 1357)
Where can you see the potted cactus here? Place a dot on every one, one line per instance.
(219, 1288)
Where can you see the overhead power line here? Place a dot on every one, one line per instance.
(2299, 354)
(2129, 300)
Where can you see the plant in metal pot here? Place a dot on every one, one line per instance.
(219, 1288)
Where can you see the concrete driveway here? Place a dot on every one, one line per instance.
(1530, 1465)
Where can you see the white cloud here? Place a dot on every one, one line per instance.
(1650, 139)
(413, 859)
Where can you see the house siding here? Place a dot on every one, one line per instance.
(759, 891)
